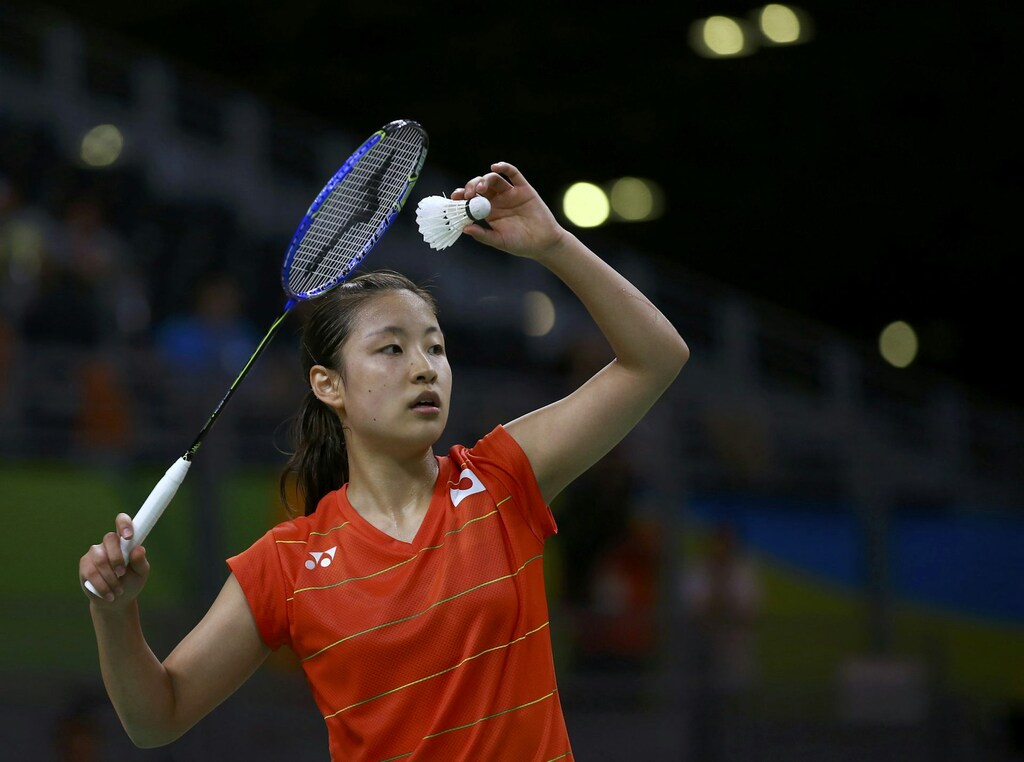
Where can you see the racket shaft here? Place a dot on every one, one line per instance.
(166, 488)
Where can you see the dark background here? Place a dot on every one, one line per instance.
(873, 174)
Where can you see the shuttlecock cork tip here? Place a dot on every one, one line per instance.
(478, 208)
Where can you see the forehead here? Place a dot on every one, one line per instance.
(402, 309)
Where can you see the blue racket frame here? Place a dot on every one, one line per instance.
(346, 168)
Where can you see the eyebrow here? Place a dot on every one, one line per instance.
(398, 330)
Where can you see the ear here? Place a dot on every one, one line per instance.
(327, 386)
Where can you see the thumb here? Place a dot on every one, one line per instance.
(487, 236)
(139, 563)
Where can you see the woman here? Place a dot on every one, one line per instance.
(412, 589)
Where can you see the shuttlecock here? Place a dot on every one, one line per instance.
(442, 219)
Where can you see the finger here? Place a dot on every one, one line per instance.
(123, 522)
(94, 585)
(112, 547)
(473, 187)
(493, 184)
(458, 194)
(139, 562)
(102, 575)
(509, 172)
(482, 234)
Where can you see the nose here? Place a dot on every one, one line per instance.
(423, 370)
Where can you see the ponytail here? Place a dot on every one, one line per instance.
(319, 463)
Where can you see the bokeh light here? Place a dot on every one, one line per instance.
(102, 145)
(780, 24)
(635, 199)
(538, 313)
(898, 344)
(585, 205)
(720, 37)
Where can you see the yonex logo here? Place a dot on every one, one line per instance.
(321, 558)
(459, 493)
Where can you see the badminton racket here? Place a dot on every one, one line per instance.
(343, 224)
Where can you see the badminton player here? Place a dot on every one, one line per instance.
(409, 584)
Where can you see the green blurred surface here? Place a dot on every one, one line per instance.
(809, 627)
(60, 510)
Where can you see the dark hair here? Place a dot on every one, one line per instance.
(319, 461)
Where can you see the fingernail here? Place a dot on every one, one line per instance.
(127, 534)
(109, 597)
(120, 571)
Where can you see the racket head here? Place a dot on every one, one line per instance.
(354, 210)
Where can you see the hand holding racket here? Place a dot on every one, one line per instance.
(341, 227)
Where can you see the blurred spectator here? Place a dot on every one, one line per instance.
(593, 514)
(610, 561)
(77, 736)
(203, 350)
(88, 246)
(620, 628)
(213, 337)
(98, 256)
(63, 311)
(723, 597)
(26, 234)
(26, 241)
(103, 425)
(76, 303)
(78, 309)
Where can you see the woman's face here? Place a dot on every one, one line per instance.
(395, 379)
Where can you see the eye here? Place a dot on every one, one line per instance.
(392, 349)
(436, 349)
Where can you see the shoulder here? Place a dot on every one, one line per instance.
(496, 445)
(496, 454)
(276, 551)
(504, 469)
(293, 534)
(301, 527)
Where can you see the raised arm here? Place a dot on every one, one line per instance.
(158, 701)
(565, 438)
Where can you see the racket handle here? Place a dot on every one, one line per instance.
(152, 509)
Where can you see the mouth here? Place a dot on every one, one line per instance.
(426, 402)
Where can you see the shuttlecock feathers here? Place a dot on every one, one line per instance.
(442, 219)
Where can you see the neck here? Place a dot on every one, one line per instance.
(392, 494)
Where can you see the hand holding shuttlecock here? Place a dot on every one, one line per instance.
(442, 219)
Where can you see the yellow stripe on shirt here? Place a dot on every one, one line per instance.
(426, 610)
(477, 722)
(320, 534)
(521, 638)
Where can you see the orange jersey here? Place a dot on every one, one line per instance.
(438, 649)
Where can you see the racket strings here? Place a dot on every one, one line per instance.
(344, 226)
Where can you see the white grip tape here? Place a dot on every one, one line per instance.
(152, 509)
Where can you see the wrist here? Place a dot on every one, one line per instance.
(113, 612)
(555, 248)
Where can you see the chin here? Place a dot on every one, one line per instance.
(427, 433)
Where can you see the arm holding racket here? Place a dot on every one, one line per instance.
(158, 701)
